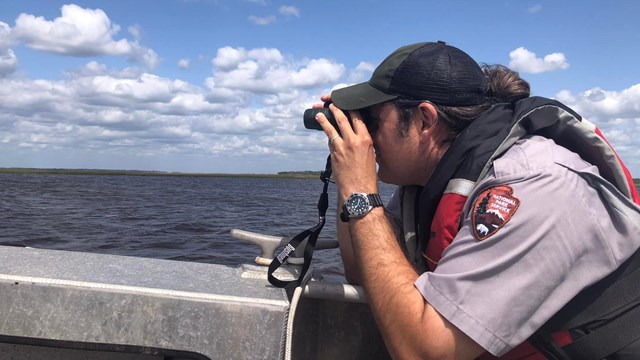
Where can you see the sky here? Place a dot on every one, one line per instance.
(220, 86)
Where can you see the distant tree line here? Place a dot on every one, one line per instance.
(300, 174)
(307, 174)
(282, 174)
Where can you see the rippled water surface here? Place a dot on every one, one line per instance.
(179, 218)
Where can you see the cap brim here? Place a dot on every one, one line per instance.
(359, 96)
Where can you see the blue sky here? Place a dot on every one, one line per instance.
(221, 85)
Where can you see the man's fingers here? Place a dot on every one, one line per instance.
(328, 129)
(343, 122)
(357, 122)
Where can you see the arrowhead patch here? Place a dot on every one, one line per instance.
(492, 209)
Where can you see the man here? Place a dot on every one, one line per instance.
(505, 193)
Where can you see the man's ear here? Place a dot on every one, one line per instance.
(428, 115)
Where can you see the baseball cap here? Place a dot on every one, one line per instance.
(432, 71)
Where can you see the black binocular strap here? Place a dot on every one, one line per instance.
(312, 233)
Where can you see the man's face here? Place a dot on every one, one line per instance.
(396, 153)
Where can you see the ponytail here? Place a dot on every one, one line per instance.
(504, 84)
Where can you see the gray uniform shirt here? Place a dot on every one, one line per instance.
(561, 238)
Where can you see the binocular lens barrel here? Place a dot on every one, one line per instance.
(310, 118)
(310, 122)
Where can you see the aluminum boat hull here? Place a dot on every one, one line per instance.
(71, 305)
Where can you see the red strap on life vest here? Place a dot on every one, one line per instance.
(444, 227)
(526, 351)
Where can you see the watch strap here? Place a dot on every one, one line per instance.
(375, 200)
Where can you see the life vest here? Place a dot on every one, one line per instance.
(437, 207)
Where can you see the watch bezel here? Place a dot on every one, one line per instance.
(369, 200)
(357, 210)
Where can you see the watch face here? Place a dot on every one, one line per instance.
(358, 205)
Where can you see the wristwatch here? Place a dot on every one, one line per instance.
(359, 205)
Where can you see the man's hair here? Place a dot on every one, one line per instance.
(503, 86)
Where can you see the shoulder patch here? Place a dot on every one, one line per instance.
(492, 209)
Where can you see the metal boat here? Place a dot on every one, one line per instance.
(70, 305)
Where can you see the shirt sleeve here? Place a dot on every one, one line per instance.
(499, 289)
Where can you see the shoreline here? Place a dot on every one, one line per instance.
(38, 171)
(282, 175)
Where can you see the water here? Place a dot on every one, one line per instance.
(178, 218)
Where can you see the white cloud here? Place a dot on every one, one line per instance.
(252, 105)
(8, 63)
(362, 72)
(228, 57)
(526, 61)
(8, 59)
(80, 32)
(146, 88)
(535, 9)
(93, 68)
(183, 64)
(266, 71)
(135, 31)
(602, 105)
(262, 21)
(6, 37)
(77, 32)
(616, 113)
(317, 72)
(289, 11)
(147, 57)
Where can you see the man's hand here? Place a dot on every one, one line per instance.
(352, 157)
